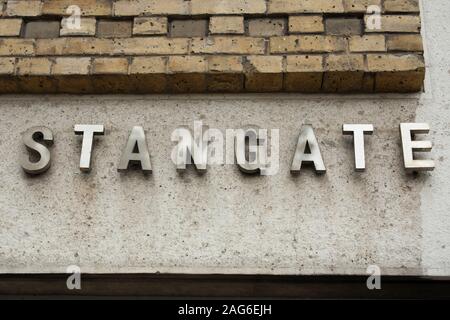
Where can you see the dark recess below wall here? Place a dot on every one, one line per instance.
(222, 286)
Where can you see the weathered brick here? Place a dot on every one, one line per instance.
(343, 26)
(189, 28)
(367, 43)
(368, 85)
(227, 6)
(391, 62)
(263, 82)
(228, 45)
(2, 6)
(149, 83)
(87, 7)
(264, 73)
(110, 66)
(401, 6)
(360, 6)
(225, 83)
(150, 7)
(187, 83)
(186, 60)
(71, 66)
(305, 6)
(113, 83)
(16, 47)
(405, 42)
(304, 63)
(396, 23)
(264, 64)
(266, 27)
(9, 85)
(10, 27)
(153, 45)
(226, 25)
(187, 64)
(23, 8)
(150, 26)
(319, 43)
(306, 24)
(148, 65)
(225, 64)
(345, 62)
(73, 46)
(408, 81)
(343, 82)
(42, 29)
(345, 73)
(74, 84)
(87, 27)
(7, 66)
(114, 29)
(37, 84)
(304, 82)
(33, 66)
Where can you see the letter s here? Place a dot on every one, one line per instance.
(30, 138)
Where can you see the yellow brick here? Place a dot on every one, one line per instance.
(71, 66)
(401, 6)
(230, 45)
(391, 62)
(225, 64)
(304, 63)
(226, 25)
(150, 26)
(74, 46)
(33, 66)
(152, 45)
(306, 24)
(405, 42)
(23, 8)
(148, 65)
(187, 64)
(360, 6)
(367, 43)
(396, 23)
(87, 7)
(16, 47)
(305, 6)
(264, 64)
(227, 6)
(110, 66)
(319, 43)
(10, 27)
(345, 62)
(150, 7)
(7, 65)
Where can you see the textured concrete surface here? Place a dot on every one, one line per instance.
(224, 221)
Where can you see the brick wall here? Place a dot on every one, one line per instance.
(156, 46)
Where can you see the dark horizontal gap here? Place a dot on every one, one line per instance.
(223, 286)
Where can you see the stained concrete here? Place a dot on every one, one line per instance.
(224, 221)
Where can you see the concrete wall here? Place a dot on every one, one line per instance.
(225, 221)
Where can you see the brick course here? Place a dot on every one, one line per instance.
(175, 46)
